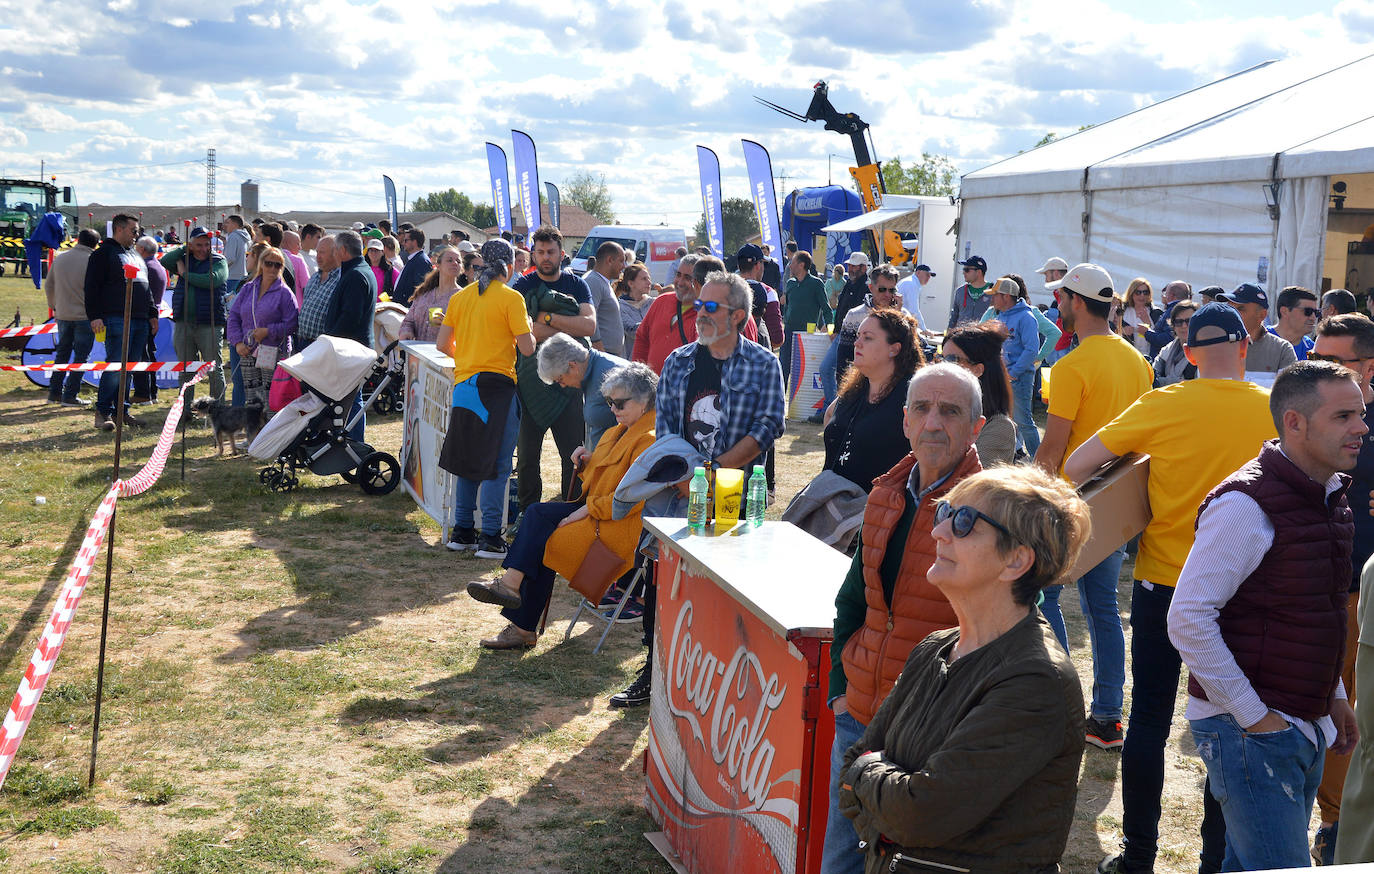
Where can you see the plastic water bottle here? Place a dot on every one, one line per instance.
(758, 496)
(696, 502)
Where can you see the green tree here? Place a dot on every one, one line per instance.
(457, 204)
(935, 175)
(591, 194)
(483, 215)
(739, 220)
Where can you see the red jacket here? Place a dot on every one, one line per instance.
(662, 331)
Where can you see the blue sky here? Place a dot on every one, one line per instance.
(121, 98)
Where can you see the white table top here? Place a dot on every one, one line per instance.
(427, 351)
(781, 574)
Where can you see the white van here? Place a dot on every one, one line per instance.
(656, 246)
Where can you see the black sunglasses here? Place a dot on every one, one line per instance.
(618, 403)
(1310, 311)
(1336, 359)
(276, 264)
(1179, 322)
(964, 518)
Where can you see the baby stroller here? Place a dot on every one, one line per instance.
(386, 331)
(312, 430)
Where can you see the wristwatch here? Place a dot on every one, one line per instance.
(548, 318)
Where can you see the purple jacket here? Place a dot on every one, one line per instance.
(275, 310)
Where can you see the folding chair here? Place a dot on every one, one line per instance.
(645, 555)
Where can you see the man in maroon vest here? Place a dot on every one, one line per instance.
(1259, 618)
(885, 605)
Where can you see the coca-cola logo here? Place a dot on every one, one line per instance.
(739, 698)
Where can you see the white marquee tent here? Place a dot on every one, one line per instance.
(1180, 189)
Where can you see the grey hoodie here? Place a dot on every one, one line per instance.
(235, 252)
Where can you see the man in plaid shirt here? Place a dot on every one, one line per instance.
(319, 291)
(723, 393)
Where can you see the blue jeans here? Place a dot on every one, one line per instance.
(828, 380)
(493, 491)
(841, 854)
(1255, 778)
(114, 336)
(1155, 666)
(1022, 390)
(237, 397)
(1097, 598)
(74, 341)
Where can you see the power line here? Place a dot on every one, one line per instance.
(261, 178)
(60, 172)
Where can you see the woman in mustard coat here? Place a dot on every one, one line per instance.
(555, 536)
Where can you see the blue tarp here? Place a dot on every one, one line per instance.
(50, 231)
(807, 210)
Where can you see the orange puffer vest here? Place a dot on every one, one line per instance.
(876, 653)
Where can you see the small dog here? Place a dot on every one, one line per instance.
(229, 420)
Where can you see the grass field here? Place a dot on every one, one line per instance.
(294, 682)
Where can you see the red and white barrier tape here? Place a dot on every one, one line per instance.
(114, 366)
(30, 331)
(74, 586)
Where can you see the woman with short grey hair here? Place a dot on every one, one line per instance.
(564, 361)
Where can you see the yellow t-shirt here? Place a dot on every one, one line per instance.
(1094, 383)
(484, 329)
(1176, 426)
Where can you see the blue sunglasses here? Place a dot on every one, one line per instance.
(711, 306)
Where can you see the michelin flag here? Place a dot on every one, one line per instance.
(765, 199)
(500, 186)
(709, 165)
(555, 207)
(390, 188)
(527, 177)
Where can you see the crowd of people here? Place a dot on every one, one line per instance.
(959, 719)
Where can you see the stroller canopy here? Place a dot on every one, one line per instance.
(333, 366)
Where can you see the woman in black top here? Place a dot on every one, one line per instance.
(978, 348)
(863, 427)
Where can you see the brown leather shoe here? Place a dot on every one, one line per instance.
(492, 592)
(512, 637)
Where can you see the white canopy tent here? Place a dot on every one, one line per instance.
(1223, 184)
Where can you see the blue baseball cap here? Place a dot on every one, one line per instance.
(1246, 292)
(1215, 323)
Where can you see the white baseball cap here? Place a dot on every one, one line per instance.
(856, 258)
(357, 226)
(374, 244)
(1053, 264)
(466, 246)
(1087, 280)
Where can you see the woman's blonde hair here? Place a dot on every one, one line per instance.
(1041, 511)
(256, 251)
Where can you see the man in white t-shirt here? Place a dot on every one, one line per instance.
(911, 288)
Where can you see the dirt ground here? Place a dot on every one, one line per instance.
(294, 683)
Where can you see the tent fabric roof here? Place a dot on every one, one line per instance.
(1229, 130)
(899, 213)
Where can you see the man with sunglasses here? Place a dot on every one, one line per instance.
(671, 320)
(882, 295)
(1298, 310)
(722, 393)
(1348, 340)
(971, 299)
(885, 605)
(1164, 425)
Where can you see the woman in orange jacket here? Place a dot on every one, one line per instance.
(554, 536)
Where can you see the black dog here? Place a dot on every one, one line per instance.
(229, 420)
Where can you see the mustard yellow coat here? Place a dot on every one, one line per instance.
(614, 453)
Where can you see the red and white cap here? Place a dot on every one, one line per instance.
(1087, 280)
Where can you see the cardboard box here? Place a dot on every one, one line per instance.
(1118, 496)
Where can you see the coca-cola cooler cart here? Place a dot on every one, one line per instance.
(738, 762)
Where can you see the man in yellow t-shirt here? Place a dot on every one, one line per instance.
(1091, 386)
(1165, 424)
(483, 327)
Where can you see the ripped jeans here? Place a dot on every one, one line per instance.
(1266, 784)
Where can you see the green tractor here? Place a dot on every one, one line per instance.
(23, 203)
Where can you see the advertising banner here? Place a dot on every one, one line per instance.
(500, 186)
(708, 163)
(728, 736)
(555, 205)
(390, 188)
(527, 177)
(760, 168)
(428, 399)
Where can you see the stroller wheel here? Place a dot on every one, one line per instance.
(350, 476)
(385, 402)
(265, 474)
(379, 473)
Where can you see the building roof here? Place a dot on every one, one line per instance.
(160, 217)
(575, 222)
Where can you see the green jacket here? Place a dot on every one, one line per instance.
(806, 304)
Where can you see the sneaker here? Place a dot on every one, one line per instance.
(490, 546)
(1119, 864)
(103, 422)
(132, 421)
(817, 418)
(54, 400)
(77, 402)
(462, 539)
(637, 694)
(1104, 734)
(1324, 845)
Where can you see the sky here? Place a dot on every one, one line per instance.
(121, 98)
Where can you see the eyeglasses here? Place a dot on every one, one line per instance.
(1310, 311)
(955, 358)
(1336, 359)
(1178, 323)
(964, 518)
(711, 306)
(618, 404)
(274, 264)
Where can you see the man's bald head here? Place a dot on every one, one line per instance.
(291, 242)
